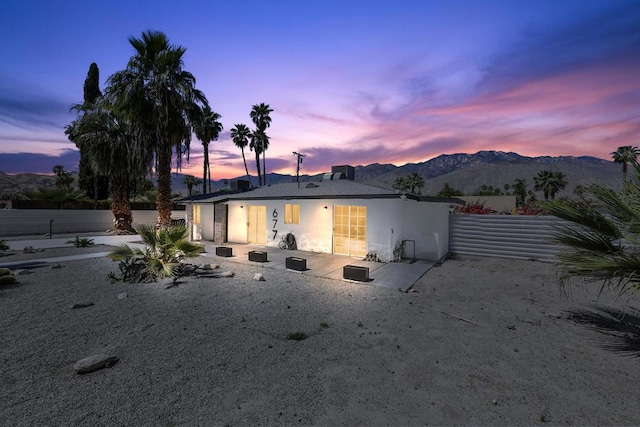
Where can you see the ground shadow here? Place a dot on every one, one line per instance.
(619, 329)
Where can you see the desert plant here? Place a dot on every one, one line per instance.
(164, 249)
(81, 243)
(8, 280)
(3, 245)
(4, 272)
(603, 237)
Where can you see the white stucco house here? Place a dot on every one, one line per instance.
(333, 215)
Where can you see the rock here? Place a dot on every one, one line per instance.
(23, 272)
(82, 305)
(259, 277)
(230, 274)
(95, 362)
(56, 266)
(188, 269)
(205, 267)
(123, 295)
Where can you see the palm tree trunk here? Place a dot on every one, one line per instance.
(205, 167)
(264, 168)
(120, 207)
(258, 168)
(246, 169)
(164, 203)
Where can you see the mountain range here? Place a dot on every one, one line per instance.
(465, 172)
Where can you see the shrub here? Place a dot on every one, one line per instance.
(3, 246)
(476, 208)
(164, 250)
(81, 243)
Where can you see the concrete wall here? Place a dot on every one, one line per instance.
(26, 222)
(389, 221)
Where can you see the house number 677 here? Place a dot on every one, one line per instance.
(275, 222)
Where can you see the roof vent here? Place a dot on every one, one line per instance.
(333, 176)
(311, 185)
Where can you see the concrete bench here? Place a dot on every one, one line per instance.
(258, 256)
(296, 263)
(355, 272)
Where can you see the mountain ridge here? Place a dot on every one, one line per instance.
(463, 171)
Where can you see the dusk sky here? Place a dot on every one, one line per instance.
(350, 82)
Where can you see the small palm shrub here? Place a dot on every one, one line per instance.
(164, 250)
(602, 241)
(3, 245)
(81, 242)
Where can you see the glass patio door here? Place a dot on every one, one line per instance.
(350, 230)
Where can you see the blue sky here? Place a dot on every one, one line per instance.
(351, 82)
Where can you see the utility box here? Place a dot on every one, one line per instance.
(355, 272)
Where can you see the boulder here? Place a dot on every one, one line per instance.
(259, 277)
(123, 295)
(95, 362)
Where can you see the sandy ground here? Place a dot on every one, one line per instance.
(480, 342)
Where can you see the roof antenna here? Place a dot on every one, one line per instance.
(300, 157)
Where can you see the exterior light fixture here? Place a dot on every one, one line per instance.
(241, 207)
(325, 207)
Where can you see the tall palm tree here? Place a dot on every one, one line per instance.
(401, 184)
(111, 149)
(207, 129)
(625, 155)
(240, 135)
(550, 183)
(160, 101)
(520, 191)
(189, 181)
(602, 243)
(260, 117)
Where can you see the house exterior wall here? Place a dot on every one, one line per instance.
(389, 221)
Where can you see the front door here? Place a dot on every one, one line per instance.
(350, 230)
(257, 225)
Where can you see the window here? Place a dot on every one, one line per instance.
(292, 214)
(195, 214)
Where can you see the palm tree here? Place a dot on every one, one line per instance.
(207, 129)
(240, 135)
(111, 149)
(159, 99)
(189, 181)
(520, 191)
(256, 146)
(260, 117)
(549, 183)
(602, 241)
(401, 184)
(625, 155)
(415, 180)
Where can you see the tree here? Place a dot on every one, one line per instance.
(401, 184)
(520, 191)
(415, 180)
(63, 178)
(112, 149)
(625, 155)
(601, 243)
(448, 191)
(240, 135)
(260, 117)
(487, 190)
(550, 183)
(160, 101)
(207, 129)
(190, 181)
(96, 186)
